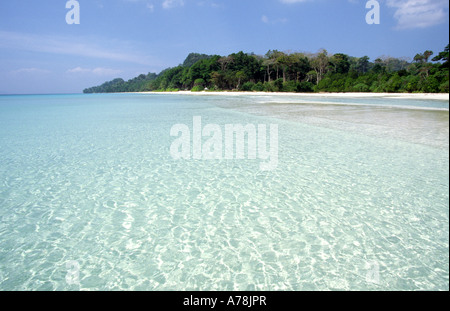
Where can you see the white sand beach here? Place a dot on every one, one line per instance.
(432, 96)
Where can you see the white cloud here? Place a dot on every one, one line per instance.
(30, 71)
(210, 3)
(73, 46)
(292, 1)
(148, 4)
(78, 70)
(409, 14)
(169, 4)
(266, 20)
(106, 71)
(96, 71)
(412, 14)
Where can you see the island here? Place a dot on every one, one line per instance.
(295, 73)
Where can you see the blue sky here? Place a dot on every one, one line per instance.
(41, 53)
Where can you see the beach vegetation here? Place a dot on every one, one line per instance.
(278, 71)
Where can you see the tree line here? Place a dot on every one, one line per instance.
(295, 72)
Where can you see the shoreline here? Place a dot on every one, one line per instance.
(426, 96)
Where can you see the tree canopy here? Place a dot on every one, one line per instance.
(294, 72)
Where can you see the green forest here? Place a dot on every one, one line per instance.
(295, 72)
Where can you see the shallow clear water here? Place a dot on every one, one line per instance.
(91, 199)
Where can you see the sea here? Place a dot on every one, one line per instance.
(92, 197)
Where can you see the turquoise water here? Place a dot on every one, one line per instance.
(91, 199)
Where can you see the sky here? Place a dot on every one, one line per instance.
(40, 53)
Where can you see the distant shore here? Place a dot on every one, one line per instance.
(432, 96)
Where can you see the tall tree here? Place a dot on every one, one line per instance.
(286, 61)
(269, 63)
(419, 58)
(300, 66)
(320, 64)
(341, 63)
(363, 64)
(443, 56)
(240, 75)
(225, 62)
(275, 55)
(426, 55)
